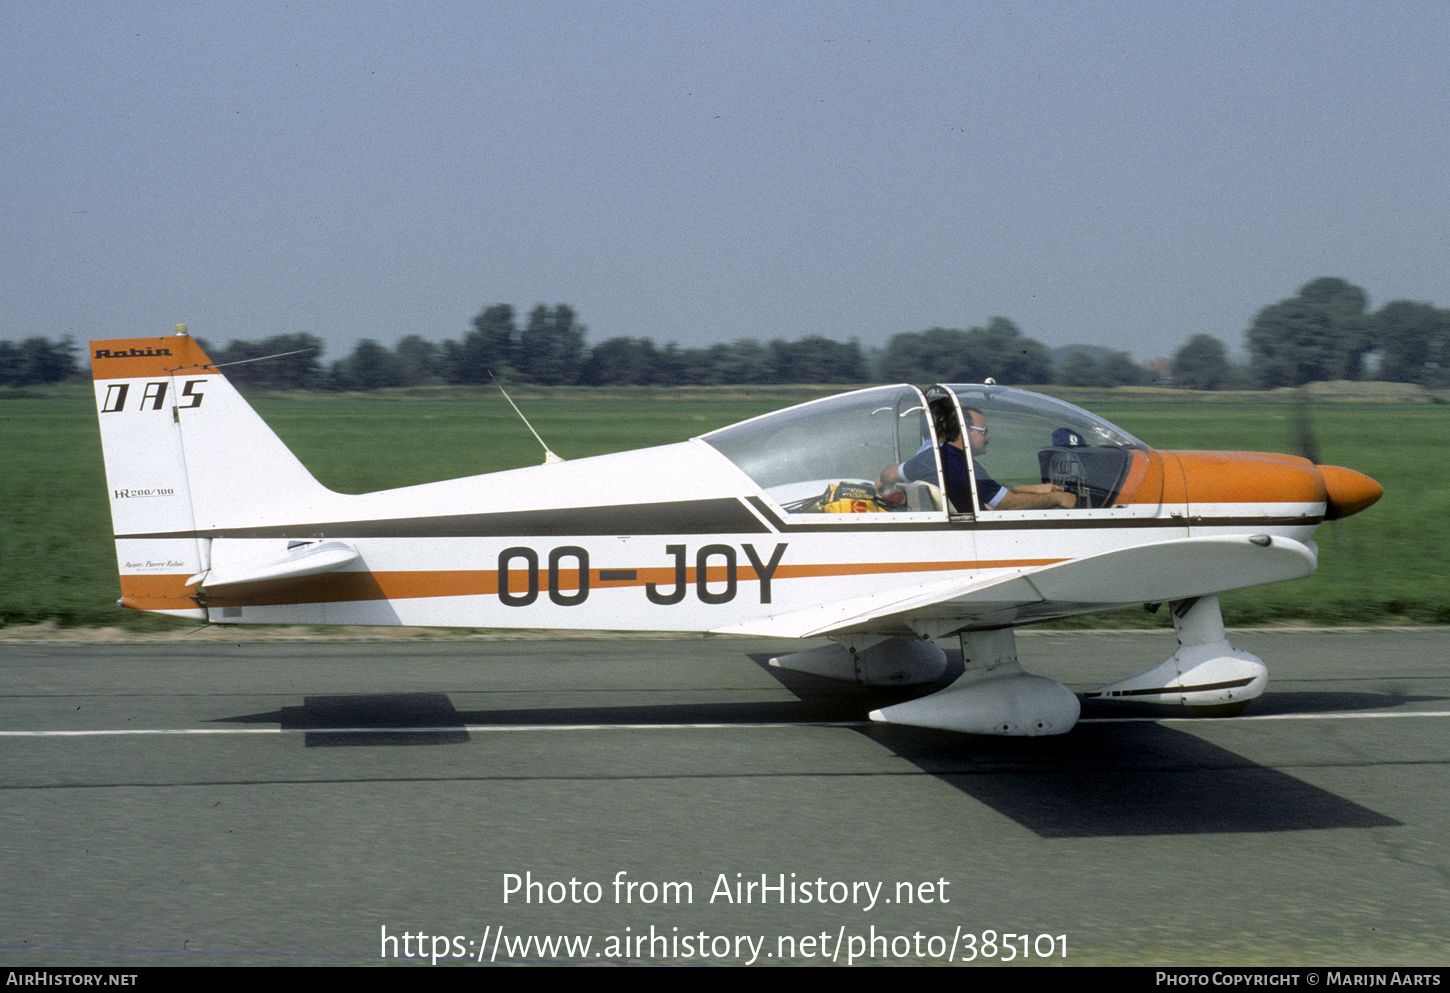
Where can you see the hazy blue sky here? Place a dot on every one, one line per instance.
(1123, 174)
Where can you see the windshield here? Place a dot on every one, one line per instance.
(1038, 439)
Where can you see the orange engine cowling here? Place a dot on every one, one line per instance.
(1263, 477)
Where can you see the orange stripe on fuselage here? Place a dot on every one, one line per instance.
(156, 592)
(136, 358)
(880, 568)
(169, 592)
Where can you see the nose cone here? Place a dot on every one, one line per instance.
(1349, 491)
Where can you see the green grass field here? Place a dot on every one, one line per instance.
(57, 559)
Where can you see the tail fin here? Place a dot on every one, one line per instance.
(185, 456)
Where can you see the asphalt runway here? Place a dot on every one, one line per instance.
(210, 802)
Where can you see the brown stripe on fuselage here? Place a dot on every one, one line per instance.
(721, 515)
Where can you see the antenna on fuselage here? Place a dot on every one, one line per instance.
(549, 457)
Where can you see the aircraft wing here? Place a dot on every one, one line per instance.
(1152, 573)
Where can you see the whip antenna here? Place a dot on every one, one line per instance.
(549, 457)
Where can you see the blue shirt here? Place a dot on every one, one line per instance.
(922, 468)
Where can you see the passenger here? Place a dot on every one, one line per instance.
(991, 494)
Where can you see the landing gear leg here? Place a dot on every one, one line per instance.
(992, 696)
(1206, 674)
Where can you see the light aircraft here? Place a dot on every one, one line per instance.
(729, 533)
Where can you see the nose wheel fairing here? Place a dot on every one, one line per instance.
(1206, 673)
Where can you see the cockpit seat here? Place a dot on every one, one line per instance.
(921, 496)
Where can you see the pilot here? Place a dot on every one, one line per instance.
(992, 494)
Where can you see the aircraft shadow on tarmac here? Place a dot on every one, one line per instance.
(1126, 779)
(1117, 779)
(1101, 780)
(369, 719)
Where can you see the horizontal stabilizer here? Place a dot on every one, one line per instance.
(304, 559)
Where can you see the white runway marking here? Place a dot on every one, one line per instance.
(1372, 714)
(493, 728)
(449, 728)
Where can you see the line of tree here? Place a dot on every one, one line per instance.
(36, 361)
(1325, 331)
(549, 349)
(1091, 365)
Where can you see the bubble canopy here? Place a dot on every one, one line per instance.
(793, 454)
(1020, 406)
